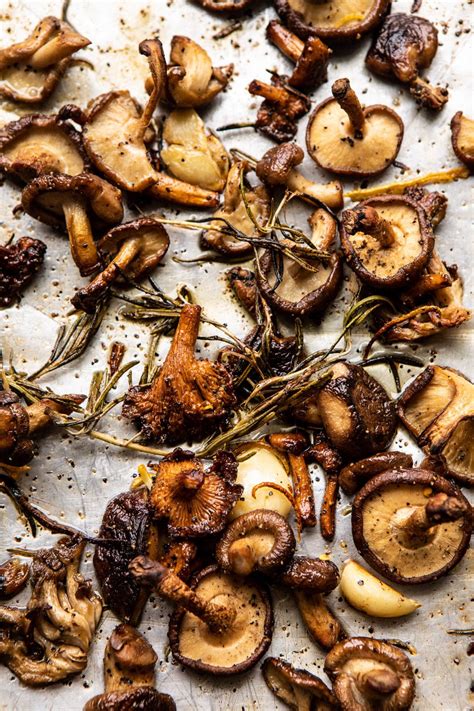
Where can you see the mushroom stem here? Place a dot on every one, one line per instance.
(303, 491)
(348, 101)
(378, 683)
(440, 508)
(426, 284)
(81, 239)
(287, 42)
(191, 481)
(65, 43)
(275, 94)
(177, 191)
(327, 520)
(169, 586)
(366, 219)
(243, 557)
(329, 193)
(321, 623)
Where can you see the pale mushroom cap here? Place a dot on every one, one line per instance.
(298, 282)
(335, 13)
(49, 148)
(24, 84)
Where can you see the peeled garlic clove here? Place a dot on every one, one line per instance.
(367, 593)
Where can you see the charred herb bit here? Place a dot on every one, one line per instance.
(19, 262)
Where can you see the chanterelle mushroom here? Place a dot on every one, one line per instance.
(30, 70)
(222, 625)
(49, 639)
(297, 688)
(438, 409)
(58, 199)
(279, 112)
(134, 249)
(189, 397)
(405, 45)
(19, 262)
(129, 675)
(462, 137)
(370, 675)
(411, 525)
(346, 138)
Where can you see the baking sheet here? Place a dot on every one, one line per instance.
(73, 479)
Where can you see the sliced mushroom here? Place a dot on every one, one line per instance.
(176, 191)
(411, 525)
(71, 200)
(234, 212)
(462, 137)
(404, 46)
(134, 249)
(19, 262)
(355, 475)
(223, 624)
(189, 397)
(282, 107)
(331, 21)
(323, 626)
(297, 688)
(438, 409)
(370, 674)
(192, 80)
(347, 139)
(14, 575)
(194, 502)
(31, 70)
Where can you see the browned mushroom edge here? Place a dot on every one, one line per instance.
(353, 476)
(14, 575)
(462, 137)
(228, 7)
(322, 625)
(282, 678)
(310, 574)
(282, 107)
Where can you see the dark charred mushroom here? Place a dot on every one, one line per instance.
(19, 262)
(282, 107)
(311, 57)
(227, 6)
(244, 285)
(328, 458)
(129, 675)
(355, 475)
(134, 249)
(438, 410)
(462, 137)
(72, 200)
(234, 621)
(13, 577)
(370, 674)
(194, 502)
(347, 139)
(323, 626)
(404, 46)
(297, 688)
(189, 397)
(411, 525)
(30, 70)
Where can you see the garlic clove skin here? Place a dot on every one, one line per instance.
(365, 592)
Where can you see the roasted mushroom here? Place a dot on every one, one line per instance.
(226, 6)
(323, 453)
(462, 137)
(411, 525)
(279, 112)
(188, 398)
(322, 625)
(355, 475)
(369, 674)
(297, 688)
(194, 502)
(438, 409)
(129, 675)
(404, 46)
(19, 262)
(332, 21)
(311, 57)
(346, 138)
(72, 200)
(49, 639)
(134, 250)
(222, 625)
(30, 70)
(13, 577)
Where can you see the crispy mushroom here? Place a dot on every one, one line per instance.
(72, 200)
(234, 212)
(355, 475)
(405, 45)
(189, 397)
(332, 21)
(438, 410)
(194, 502)
(297, 688)
(30, 70)
(129, 675)
(279, 112)
(19, 262)
(134, 250)
(227, 6)
(387, 241)
(311, 57)
(222, 626)
(323, 626)
(347, 139)
(411, 525)
(14, 575)
(462, 137)
(243, 283)
(370, 674)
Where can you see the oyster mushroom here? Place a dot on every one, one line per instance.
(129, 675)
(297, 688)
(355, 475)
(278, 167)
(334, 22)
(19, 262)
(30, 70)
(234, 212)
(72, 200)
(403, 47)
(437, 408)
(279, 112)
(222, 625)
(387, 241)
(462, 137)
(134, 249)
(13, 577)
(370, 674)
(194, 502)
(311, 57)
(411, 525)
(322, 625)
(188, 398)
(346, 138)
